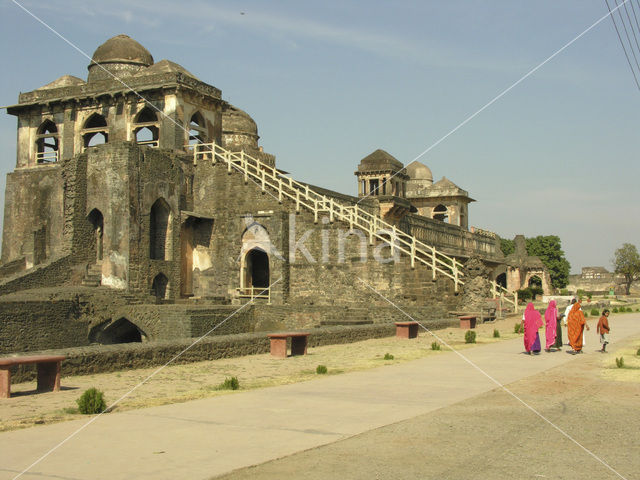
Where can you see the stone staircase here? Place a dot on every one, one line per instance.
(93, 276)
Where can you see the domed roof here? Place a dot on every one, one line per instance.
(235, 120)
(379, 160)
(419, 171)
(63, 81)
(122, 49)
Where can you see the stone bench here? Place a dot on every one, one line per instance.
(278, 341)
(406, 329)
(48, 367)
(467, 321)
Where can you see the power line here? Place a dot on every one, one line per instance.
(626, 32)
(635, 77)
(633, 30)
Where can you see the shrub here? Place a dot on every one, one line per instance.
(620, 362)
(435, 346)
(638, 352)
(321, 369)
(518, 328)
(388, 356)
(637, 309)
(595, 312)
(470, 337)
(496, 333)
(230, 383)
(615, 310)
(629, 309)
(586, 314)
(564, 292)
(91, 402)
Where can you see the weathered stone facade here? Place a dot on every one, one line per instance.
(107, 192)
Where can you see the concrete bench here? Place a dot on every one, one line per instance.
(48, 367)
(467, 321)
(406, 329)
(279, 343)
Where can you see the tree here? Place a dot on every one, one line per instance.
(549, 249)
(507, 246)
(626, 261)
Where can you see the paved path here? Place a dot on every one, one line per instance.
(204, 438)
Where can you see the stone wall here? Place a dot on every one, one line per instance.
(59, 271)
(109, 358)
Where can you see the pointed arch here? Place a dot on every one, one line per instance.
(160, 231)
(146, 128)
(255, 271)
(95, 131)
(441, 213)
(47, 144)
(197, 129)
(160, 287)
(120, 331)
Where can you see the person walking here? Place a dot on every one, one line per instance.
(565, 316)
(603, 329)
(551, 322)
(575, 327)
(532, 321)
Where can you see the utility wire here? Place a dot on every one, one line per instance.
(633, 30)
(633, 9)
(626, 33)
(635, 77)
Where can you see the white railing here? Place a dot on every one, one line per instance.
(498, 291)
(304, 197)
(149, 143)
(255, 292)
(47, 157)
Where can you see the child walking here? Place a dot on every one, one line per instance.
(603, 329)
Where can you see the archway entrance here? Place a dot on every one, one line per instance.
(256, 272)
(502, 280)
(120, 331)
(159, 287)
(96, 219)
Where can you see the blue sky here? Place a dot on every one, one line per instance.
(329, 82)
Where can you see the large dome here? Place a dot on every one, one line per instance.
(120, 56)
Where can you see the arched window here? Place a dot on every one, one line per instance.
(197, 129)
(95, 131)
(146, 128)
(47, 143)
(441, 213)
(160, 230)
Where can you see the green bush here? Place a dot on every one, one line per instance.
(564, 292)
(435, 346)
(470, 337)
(321, 370)
(586, 314)
(496, 333)
(230, 383)
(388, 356)
(615, 310)
(638, 352)
(629, 309)
(595, 312)
(518, 328)
(620, 362)
(91, 402)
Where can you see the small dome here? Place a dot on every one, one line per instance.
(120, 56)
(237, 121)
(122, 49)
(419, 171)
(379, 160)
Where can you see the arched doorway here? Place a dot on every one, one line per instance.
(120, 331)
(441, 213)
(256, 271)
(96, 219)
(160, 287)
(502, 280)
(160, 245)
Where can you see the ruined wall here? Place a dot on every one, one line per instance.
(33, 202)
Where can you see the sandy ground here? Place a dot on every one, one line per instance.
(494, 436)
(180, 383)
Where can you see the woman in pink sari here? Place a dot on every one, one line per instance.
(532, 322)
(550, 320)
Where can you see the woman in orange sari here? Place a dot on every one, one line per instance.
(576, 324)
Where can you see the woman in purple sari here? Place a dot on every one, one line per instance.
(550, 320)
(532, 322)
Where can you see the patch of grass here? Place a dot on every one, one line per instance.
(496, 333)
(518, 328)
(230, 383)
(71, 410)
(470, 337)
(620, 362)
(91, 402)
(435, 346)
(321, 369)
(388, 356)
(595, 312)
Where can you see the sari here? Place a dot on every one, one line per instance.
(551, 321)
(532, 322)
(575, 327)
